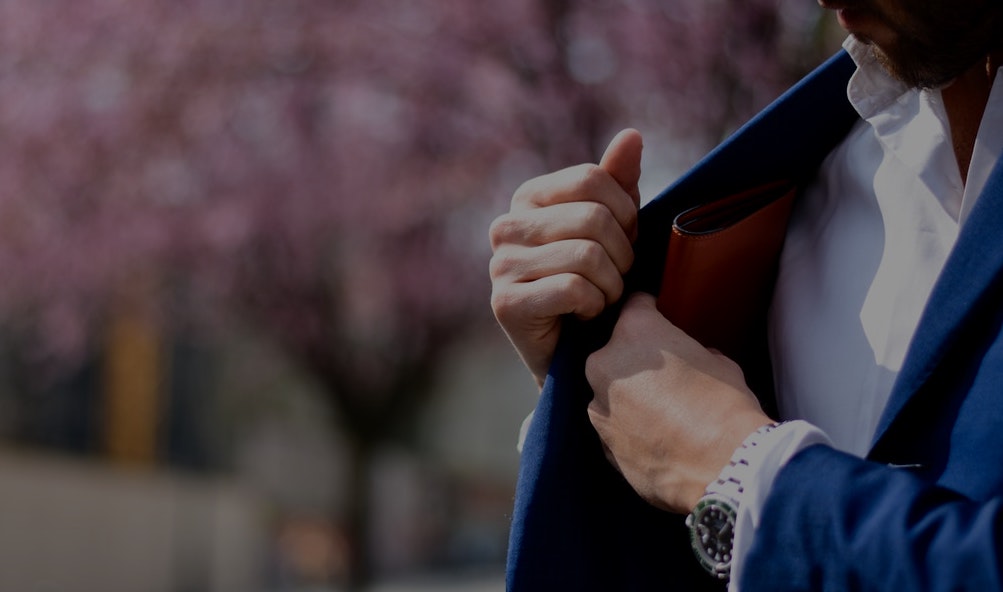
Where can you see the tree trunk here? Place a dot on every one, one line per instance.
(357, 519)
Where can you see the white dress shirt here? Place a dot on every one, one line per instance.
(864, 248)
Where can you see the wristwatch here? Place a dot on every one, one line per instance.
(712, 521)
(712, 532)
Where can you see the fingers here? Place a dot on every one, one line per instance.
(570, 257)
(527, 305)
(582, 183)
(563, 248)
(586, 221)
(576, 249)
(639, 315)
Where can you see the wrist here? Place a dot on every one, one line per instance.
(712, 522)
(734, 433)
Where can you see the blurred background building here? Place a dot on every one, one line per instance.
(245, 340)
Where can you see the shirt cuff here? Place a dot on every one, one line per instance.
(774, 450)
(523, 430)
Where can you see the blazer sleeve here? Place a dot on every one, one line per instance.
(869, 526)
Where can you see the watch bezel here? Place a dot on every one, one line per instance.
(718, 565)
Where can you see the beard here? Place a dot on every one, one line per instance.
(934, 49)
(916, 72)
(926, 68)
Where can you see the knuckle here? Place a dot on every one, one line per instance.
(616, 290)
(502, 229)
(573, 283)
(596, 215)
(629, 259)
(589, 255)
(588, 300)
(593, 411)
(500, 265)
(541, 191)
(735, 368)
(728, 364)
(625, 261)
(591, 178)
(591, 369)
(526, 191)
(594, 370)
(504, 304)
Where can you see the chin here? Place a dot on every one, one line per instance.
(917, 73)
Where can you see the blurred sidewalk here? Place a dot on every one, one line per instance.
(481, 583)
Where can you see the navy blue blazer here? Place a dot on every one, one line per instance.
(922, 512)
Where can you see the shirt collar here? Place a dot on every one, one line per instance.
(871, 89)
(889, 104)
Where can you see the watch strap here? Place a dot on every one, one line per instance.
(723, 498)
(742, 465)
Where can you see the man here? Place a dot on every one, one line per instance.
(885, 331)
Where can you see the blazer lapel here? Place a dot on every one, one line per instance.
(974, 266)
(786, 141)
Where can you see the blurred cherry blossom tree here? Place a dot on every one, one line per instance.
(324, 170)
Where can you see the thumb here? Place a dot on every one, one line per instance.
(622, 160)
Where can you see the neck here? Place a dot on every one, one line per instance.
(965, 101)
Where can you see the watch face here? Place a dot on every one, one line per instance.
(712, 533)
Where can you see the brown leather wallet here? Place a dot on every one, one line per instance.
(721, 265)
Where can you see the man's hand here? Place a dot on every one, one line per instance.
(669, 411)
(564, 247)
